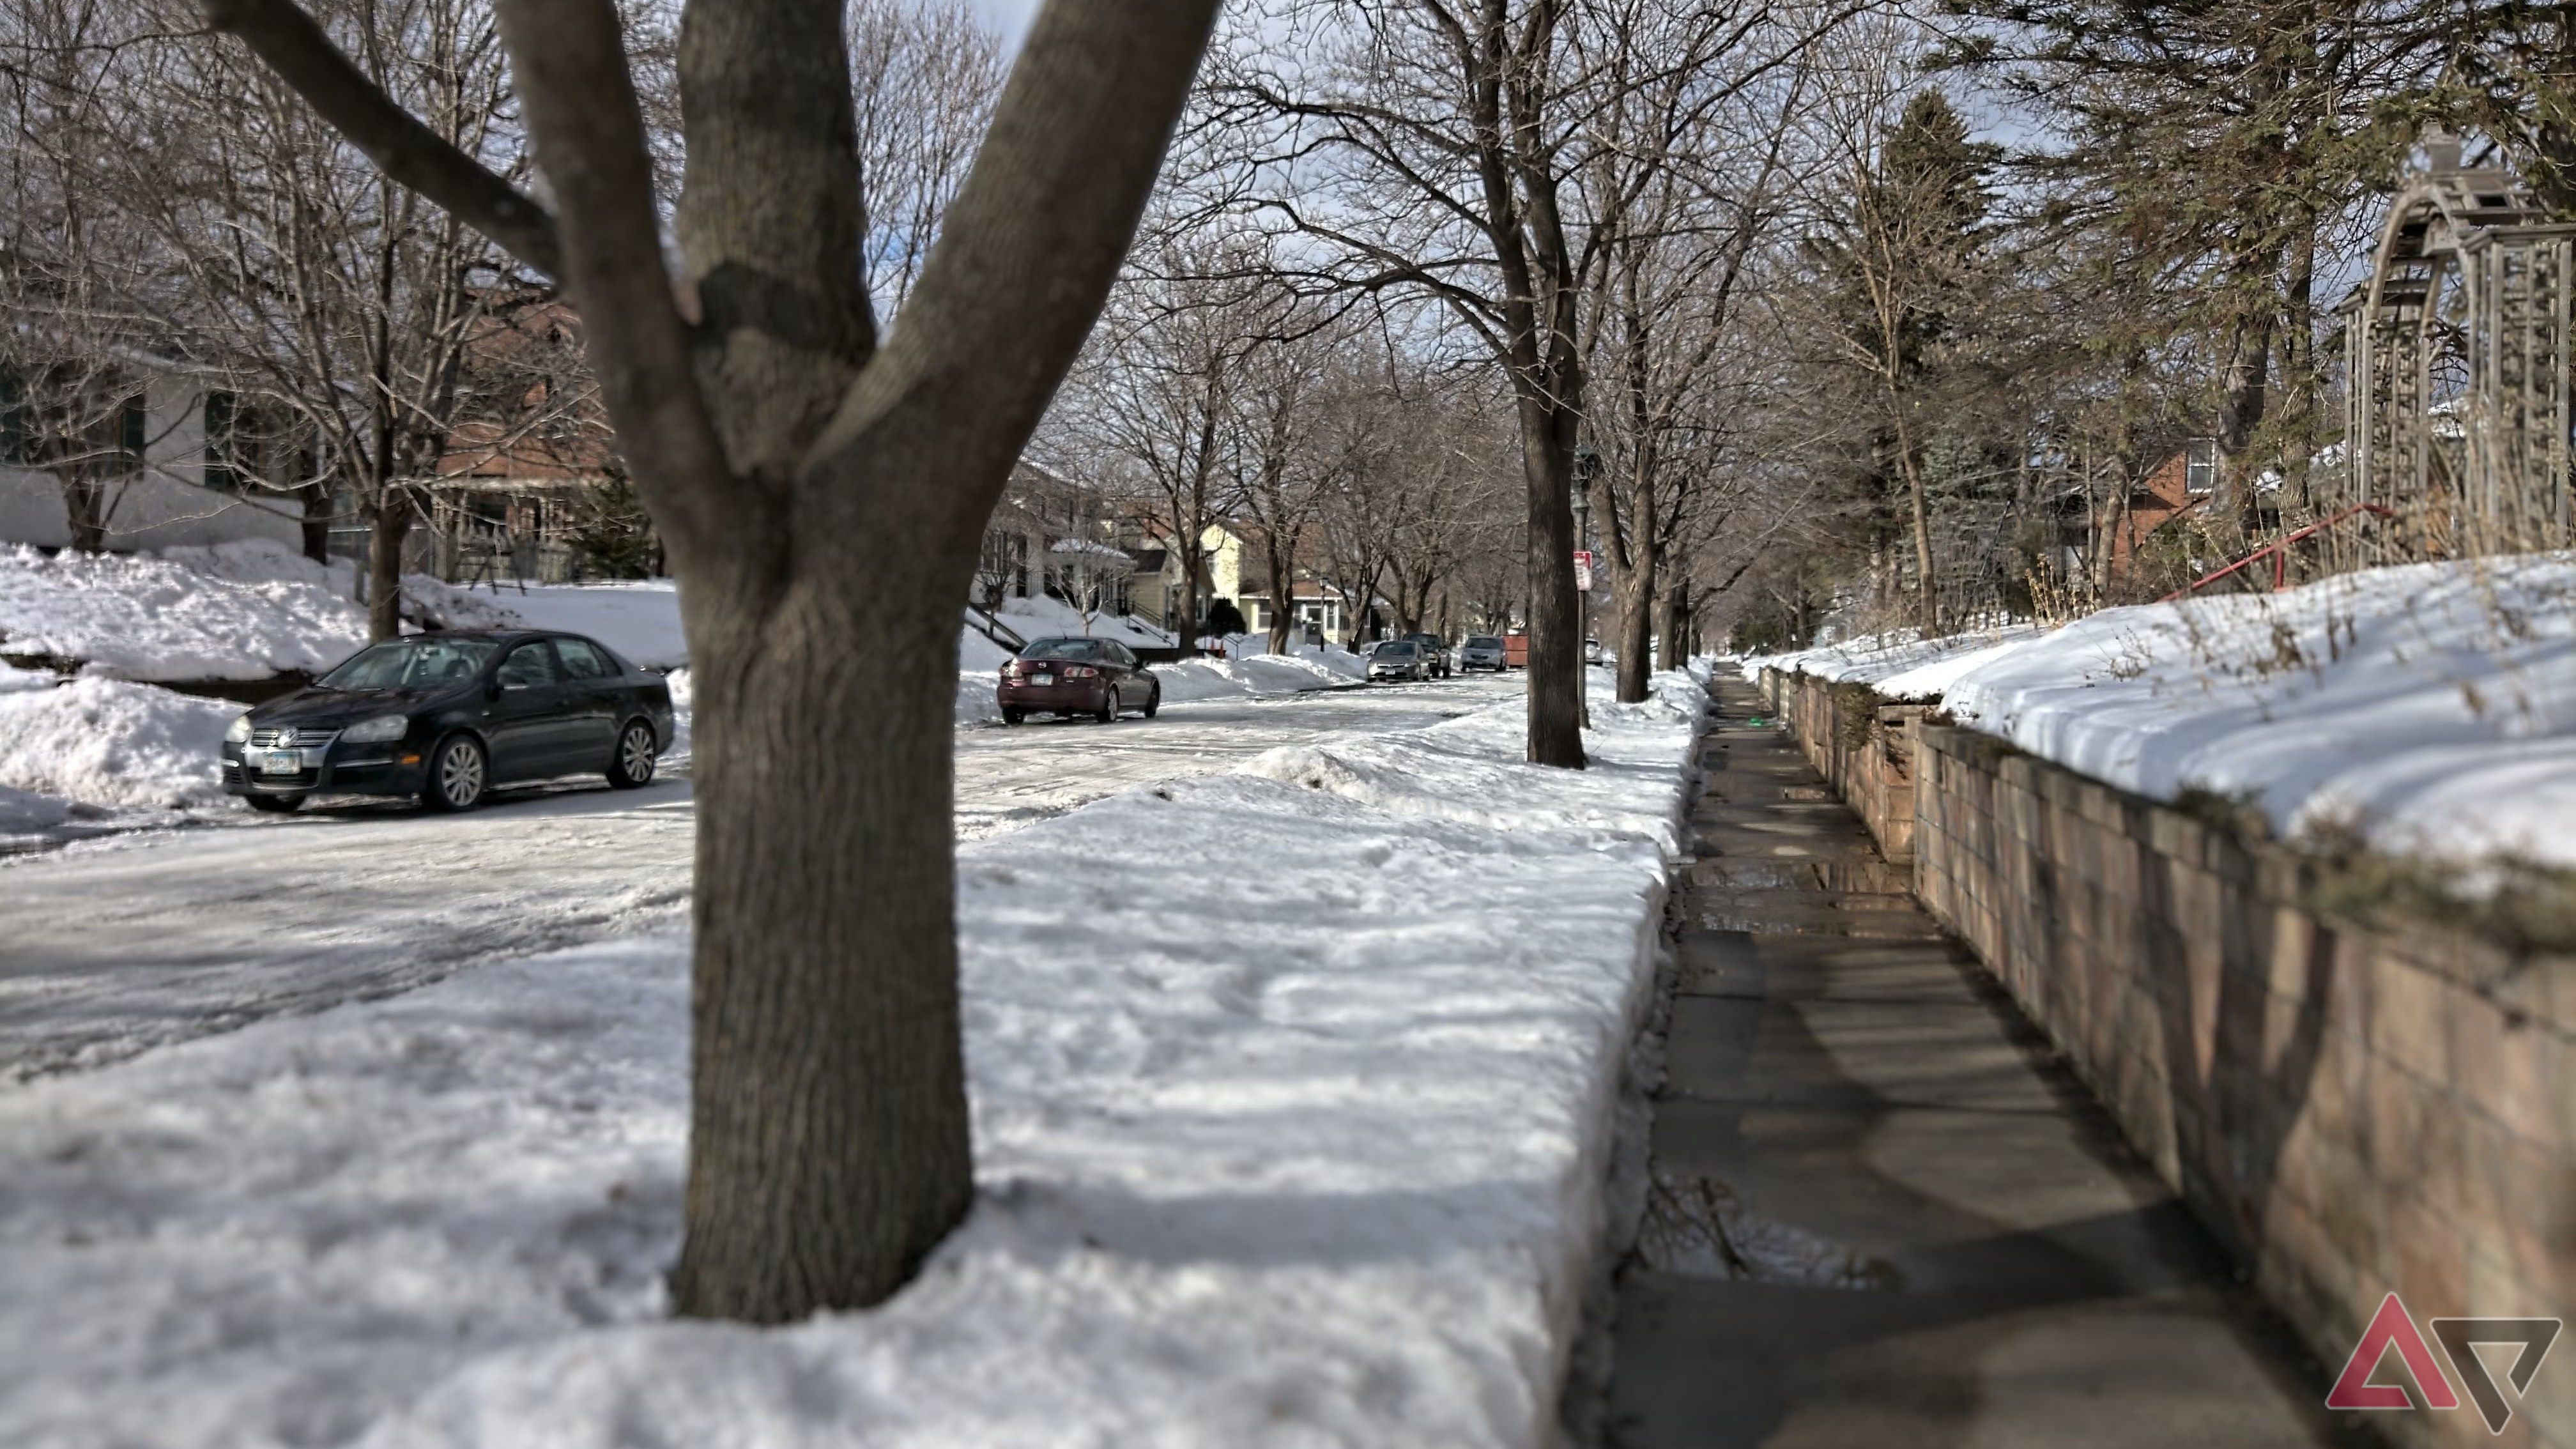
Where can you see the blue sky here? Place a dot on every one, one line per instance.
(1011, 17)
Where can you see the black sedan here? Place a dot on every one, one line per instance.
(444, 717)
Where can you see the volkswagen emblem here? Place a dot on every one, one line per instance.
(286, 737)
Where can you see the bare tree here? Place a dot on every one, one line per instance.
(927, 74)
(823, 496)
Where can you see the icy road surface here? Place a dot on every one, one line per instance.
(116, 946)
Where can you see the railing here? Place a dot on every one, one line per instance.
(2278, 551)
(982, 621)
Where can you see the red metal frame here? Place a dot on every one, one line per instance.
(2278, 551)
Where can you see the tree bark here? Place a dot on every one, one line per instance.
(85, 508)
(829, 1149)
(1676, 645)
(316, 520)
(386, 534)
(1556, 614)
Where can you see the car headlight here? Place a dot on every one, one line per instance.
(238, 732)
(377, 731)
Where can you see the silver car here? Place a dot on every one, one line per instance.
(1482, 651)
(1398, 659)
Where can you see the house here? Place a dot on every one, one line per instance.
(2179, 488)
(167, 463)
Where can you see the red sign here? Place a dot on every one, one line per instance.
(2393, 1327)
(1583, 571)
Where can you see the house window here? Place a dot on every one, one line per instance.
(2200, 467)
(1004, 568)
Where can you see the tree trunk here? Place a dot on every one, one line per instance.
(1676, 650)
(386, 533)
(316, 521)
(1927, 601)
(85, 509)
(1556, 614)
(1636, 640)
(825, 1004)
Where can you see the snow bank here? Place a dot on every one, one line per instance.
(1319, 1162)
(141, 617)
(110, 742)
(1904, 665)
(242, 610)
(2432, 707)
(639, 620)
(1250, 675)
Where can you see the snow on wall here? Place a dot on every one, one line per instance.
(2429, 707)
(1320, 1162)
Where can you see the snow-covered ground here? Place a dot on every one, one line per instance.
(119, 945)
(2431, 708)
(1292, 1088)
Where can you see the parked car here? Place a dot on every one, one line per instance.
(1098, 677)
(1398, 659)
(1482, 651)
(1591, 651)
(1435, 652)
(445, 717)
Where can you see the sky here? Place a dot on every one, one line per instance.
(1010, 17)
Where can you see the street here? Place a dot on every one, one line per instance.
(119, 945)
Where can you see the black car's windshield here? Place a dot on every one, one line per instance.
(1064, 649)
(411, 664)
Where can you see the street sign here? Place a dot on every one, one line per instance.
(1583, 571)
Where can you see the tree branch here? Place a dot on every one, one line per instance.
(409, 153)
(570, 59)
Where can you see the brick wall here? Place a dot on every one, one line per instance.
(1863, 746)
(2353, 1110)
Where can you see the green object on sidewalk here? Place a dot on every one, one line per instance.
(1755, 720)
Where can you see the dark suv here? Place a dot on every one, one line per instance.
(1435, 653)
(444, 717)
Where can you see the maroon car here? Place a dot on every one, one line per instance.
(1097, 677)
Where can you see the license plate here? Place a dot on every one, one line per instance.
(282, 762)
(1041, 679)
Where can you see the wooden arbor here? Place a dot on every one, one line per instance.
(2458, 358)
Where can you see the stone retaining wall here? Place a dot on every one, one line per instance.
(2353, 1108)
(1863, 746)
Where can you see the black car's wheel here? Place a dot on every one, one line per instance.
(632, 768)
(275, 804)
(1108, 707)
(1012, 714)
(1153, 701)
(458, 774)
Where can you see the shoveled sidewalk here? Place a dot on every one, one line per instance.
(1880, 1215)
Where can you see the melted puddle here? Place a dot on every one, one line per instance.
(1698, 1226)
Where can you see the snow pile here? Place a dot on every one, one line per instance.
(141, 617)
(2432, 707)
(1903, 665)
(1316, 1163)
(640, 621)
(110, 742)
(1212, 678)
(1041, 617)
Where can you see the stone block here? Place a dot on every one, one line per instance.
(2408, 1020)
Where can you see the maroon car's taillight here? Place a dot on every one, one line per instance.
(1080, 671)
